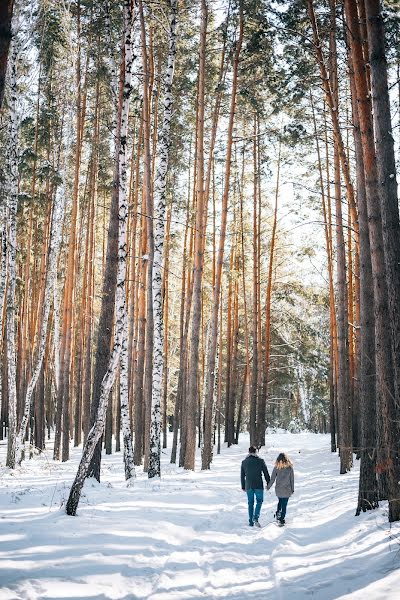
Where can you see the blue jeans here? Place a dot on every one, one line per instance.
(259, 496)
(281, 509)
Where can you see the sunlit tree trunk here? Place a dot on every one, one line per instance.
(341, 161)
(166, 324)
(261, 416)
(368, 486)
(149, 204)
(182, 329)
(134, 276)
(159, 214)
(88, 313)
(332, 314)
(106, 318)
(228, 352)
(63, 392)
(12, 203)
(234, 396)
(120, 333)
(255, 308)
(54, 245)
(3, 277)
(192, 397)
(344, 397)
(213, 336)
(141, 317)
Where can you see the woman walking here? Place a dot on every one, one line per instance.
(284, 475)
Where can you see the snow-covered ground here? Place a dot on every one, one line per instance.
(186, 536)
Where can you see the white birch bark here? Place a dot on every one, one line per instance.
(120, 301)
(3, 277)
(12, 203)
(123, 218)
(159, 218)
(125, 419)
(51, 276)
(113, 71)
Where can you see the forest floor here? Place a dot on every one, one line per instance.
(186, 536)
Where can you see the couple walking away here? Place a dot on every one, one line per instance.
(253, 468)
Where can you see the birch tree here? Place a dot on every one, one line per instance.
(3, 272)
(12, 204)
(120, 299)
(123, 218)
(51, 276)
(159, 215)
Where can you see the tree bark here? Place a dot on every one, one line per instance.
(105, 325)
(6, 12)
(63, 392)
(54, 246)
(213, 335)
(387, 188)
(120, 333)
(261, 416)
(12, 203)
(192, 395)
(159, 214)
(386, 409)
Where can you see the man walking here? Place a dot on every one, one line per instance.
(251, 475)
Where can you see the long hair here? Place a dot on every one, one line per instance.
(283, 461)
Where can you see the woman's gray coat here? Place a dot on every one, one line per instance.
(284, 486)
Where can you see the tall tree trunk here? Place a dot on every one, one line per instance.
(139, 375)
(255, 311)
(261, 416)
(213, 336)
(234, 375)
(388, 191)
(63, 392)
(182, 330)
(120, 332)
(159, 214)
(166, 324)
(105, 326)
(388, 431)
(368, 488)
(148, 195)
(192, 395)
(344, 398)
(228, 346)
(54, 245)
(12, 203)
(329, 253)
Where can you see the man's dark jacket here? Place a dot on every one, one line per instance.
(251, 473)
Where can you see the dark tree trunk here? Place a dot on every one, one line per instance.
(387, 426)
(368, 488)
(6, 12)
(388, 195)
(106, 319)
(344, 388)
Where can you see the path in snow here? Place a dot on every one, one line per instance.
(186, 536)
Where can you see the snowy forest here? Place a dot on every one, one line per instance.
(200, 252)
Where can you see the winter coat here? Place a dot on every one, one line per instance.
(284, 486)
(251, 473)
